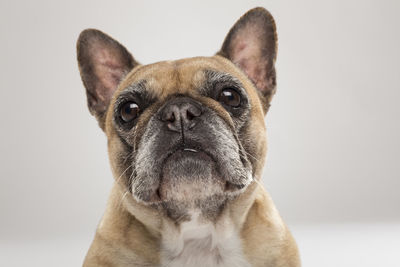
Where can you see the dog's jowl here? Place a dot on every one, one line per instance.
(187, 144)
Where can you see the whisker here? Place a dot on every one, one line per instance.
(128, 156)
(117, 180)
(122, 199)
(241, 149)
(250, 155)
(257, 182)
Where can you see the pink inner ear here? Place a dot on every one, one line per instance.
(257, 72)
(109, 72)
(247, 54)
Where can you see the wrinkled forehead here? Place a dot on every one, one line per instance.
(184, 76)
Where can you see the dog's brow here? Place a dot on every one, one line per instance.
(213, 77)
(137, 88)
(219, 76)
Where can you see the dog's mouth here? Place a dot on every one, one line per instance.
(191, 173)
(190, 150)
(187, 173)
(204, 162)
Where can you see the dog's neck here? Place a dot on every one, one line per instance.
(202, 243)
(217, 241)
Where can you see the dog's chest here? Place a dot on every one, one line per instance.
(200, 244)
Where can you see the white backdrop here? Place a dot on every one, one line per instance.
(333, 127)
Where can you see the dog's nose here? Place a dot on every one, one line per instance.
(181, 114)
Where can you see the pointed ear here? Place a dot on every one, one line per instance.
(103, 63)
(252, 45)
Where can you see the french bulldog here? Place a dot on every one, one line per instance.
(187, 145)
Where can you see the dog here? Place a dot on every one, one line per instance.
(187, 145)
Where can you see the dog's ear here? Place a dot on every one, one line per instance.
(252, 45)
(103, 63)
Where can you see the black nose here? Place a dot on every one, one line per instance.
(181, 114)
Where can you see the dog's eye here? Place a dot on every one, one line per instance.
(129, 111)
(229, 97)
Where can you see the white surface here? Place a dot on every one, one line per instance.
(327, 245)
(349, 245)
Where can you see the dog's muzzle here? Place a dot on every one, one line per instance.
(188, 152)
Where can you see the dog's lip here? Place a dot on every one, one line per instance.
(187, 146)
(190, 149)
(190, 146)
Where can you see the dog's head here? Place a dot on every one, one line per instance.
(185, 133)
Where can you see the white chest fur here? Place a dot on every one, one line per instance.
(203, 244)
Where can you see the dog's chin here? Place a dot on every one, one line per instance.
(190, 176)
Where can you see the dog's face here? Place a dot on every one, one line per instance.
(185, 134)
